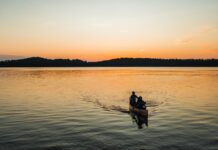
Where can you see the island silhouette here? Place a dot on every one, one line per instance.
(118, 62)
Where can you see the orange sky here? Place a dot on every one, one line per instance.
(108, 29)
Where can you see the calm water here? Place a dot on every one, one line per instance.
(84, 108)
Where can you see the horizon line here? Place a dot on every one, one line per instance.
(29, 57)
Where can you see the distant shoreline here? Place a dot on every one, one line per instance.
(118, 62)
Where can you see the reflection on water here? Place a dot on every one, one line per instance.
(139, 119)
(88, 108)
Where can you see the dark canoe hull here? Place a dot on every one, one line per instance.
(141, 112)
(139, 115)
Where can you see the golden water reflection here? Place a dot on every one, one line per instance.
(89, 101)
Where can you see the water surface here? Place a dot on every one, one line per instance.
(85, 108)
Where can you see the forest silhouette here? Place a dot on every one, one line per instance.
(118, 62)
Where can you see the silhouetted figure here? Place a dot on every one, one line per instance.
(132, 99)
(140, 104)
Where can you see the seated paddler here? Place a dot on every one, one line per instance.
(132, 99)
(140, 104)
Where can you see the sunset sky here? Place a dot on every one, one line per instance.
(103, 29)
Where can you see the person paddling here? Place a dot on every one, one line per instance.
(132, 99)
(140, 104)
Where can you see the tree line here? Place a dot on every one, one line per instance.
(119, 62)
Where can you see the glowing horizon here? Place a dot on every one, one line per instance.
(104, 29)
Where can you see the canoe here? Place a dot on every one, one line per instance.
(142, 112)
(139, 115)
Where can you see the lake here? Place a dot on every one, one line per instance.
(87, 108)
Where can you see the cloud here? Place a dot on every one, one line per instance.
(186, 40)
(199, 33)
(207, 29)
(10, 57)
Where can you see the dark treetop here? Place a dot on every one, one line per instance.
(119, 62)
